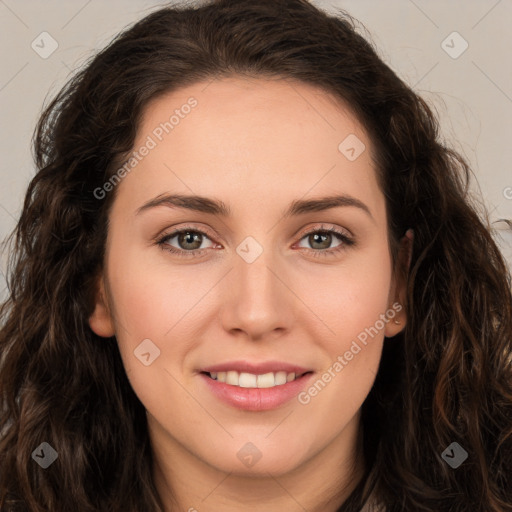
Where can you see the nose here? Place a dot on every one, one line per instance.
(258, 301)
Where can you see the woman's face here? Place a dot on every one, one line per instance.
(258, 281)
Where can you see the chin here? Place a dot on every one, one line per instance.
(250, 461)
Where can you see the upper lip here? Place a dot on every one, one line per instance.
(256, 368)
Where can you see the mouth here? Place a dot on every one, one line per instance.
(256, 392)
(252, 380)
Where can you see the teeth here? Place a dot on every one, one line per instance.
(267, 380)
(246, 380)
(280, 378)
(232, 378)
(249, 380)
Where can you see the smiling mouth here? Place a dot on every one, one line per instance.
(251, 380)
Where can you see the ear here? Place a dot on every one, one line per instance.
(101, 321)
(398, 290)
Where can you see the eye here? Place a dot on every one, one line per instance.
(321, 239)
(189, 241)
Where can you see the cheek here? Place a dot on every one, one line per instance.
(154, 301)
(350, 298)
(352, 304)
(150, 295)
(141, 301)
(146, 307)
(352, 358)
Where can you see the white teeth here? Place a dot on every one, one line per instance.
(247, 380)
(280, 378)
(266, 380)
(232, 378)
(250, 380)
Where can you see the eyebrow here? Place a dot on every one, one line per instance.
(219, 208)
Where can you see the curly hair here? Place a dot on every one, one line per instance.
(446, 377)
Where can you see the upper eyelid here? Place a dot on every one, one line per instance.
(330, 228)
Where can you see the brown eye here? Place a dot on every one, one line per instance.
(320, 241)
(187, 242)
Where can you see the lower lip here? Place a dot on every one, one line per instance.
(256, 399)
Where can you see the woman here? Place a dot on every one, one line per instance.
(247, 276)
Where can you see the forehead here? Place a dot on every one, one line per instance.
(237, 136)
(294, 108)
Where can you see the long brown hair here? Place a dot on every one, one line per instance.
(446, 378)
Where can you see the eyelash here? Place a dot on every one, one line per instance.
(346, 242)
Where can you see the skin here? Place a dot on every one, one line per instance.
(257, 145)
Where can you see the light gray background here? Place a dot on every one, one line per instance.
(472, 93)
